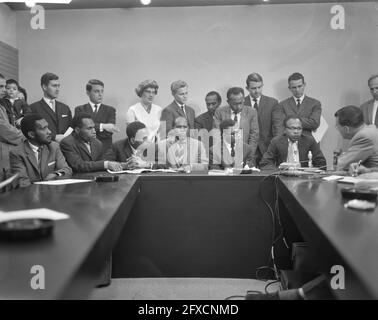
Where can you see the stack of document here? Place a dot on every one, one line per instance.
(143, 170)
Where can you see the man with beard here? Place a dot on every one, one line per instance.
(38, 158)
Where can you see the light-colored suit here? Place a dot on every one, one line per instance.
(367, 111)
(24, 162)
(363, 146)
(309, 112)
(10, 137)
(248, 122)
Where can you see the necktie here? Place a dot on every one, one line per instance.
(95, 110)
(256, 106)
(52, 103)
(183, 109)
(232, 149)
(236, 117)
(298, 103)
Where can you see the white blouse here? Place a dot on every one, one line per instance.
(152, 119)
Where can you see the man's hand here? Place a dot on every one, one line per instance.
(59, 137)
(110, 127)
(17, 123)
(135, 162)
(51, 176)
(114, 166)
(355, 168)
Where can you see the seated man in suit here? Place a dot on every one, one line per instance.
(181, 152)
(57, 114)
(103, 116)
(205, 120)
(307, 109)
(363, 144)
(83, 151)
(178, 108)
(264, 106)
(16, 108)
(369, 108)
(245, 117)
(293, 147)
(129, 151)
(38, 158)
(229, 151)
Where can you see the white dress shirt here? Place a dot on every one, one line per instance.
(35, 150)
(300, 99)
(50, 103)
(375, 107)
(292, 152)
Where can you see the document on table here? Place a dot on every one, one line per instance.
(41, 213)
(62, 182)
(142, 170)
(320, 132)
(333, 178)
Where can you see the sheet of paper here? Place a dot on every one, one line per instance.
(218, 173)
(333, 178)
(320, 132)
(139, 171)
(8, 181)
(68, 132)
(62, 182)
(41, 213)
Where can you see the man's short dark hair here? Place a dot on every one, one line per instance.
(296, 76)
(133, 128)
(47, 77)
(28, 123)
(372, 78)
(225, 124)
(214, 93)
(77, 121)
(93, 82)
(350, 116)
(234, 91)
(12, 81)
(292, 117)
(254, 77)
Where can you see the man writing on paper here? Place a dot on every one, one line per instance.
(363, 144)
(83, 151)
(293, 147)
(130, 151)
(38, 158)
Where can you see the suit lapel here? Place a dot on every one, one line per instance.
(31, 156)
(293, 105)
(83, 147)
(283, 148)
(49, 111)
(370, 112)
(44, 158)
(179, 110)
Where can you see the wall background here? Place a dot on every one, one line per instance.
(8, 25)
(212, 48)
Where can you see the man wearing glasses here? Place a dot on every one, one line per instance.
(293, 147)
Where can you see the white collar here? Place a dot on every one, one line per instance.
(48, 101)
(252, 101)
(300, 99)
(93, 105)
(33, 147)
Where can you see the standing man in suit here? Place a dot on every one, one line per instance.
(103, 116)
(293, 147)
(10, 137)
(245, 117)
(363, 144)
(307, 109)
(57, 114)
(229, 152)
(205, 120)
(38, 158)
(178, 108)
(369, 108)
(264, 106)
(83, 151)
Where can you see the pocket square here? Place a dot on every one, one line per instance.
(64, 115)
(50, 164)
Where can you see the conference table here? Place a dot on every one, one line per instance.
(185, 225)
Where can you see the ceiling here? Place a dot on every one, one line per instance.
(94, 4)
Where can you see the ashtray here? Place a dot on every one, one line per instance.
(23, 229)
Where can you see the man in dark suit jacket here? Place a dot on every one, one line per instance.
(178, 108)
(245, 117)
(226, 153)
(307, 109)
(205, 120)
(293, 147)
(38, 158)
(83, 151)
(135, 151)
(264, 106)
(103, 116)
(369, 108)
(57, 114)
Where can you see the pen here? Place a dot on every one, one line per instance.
(355, 171)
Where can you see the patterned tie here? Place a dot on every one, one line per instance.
(183, 109)
(236, 118)
(256, 106)
(298, 103)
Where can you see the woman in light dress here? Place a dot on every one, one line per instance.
(145, 111)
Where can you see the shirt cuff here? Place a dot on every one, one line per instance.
(101, 129)
(106, 165)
